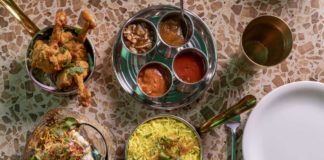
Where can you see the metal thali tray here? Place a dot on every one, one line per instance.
(127, 65)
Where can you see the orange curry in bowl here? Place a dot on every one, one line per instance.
(170, 31)
(154, 80)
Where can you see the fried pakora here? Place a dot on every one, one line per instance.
(65, 55)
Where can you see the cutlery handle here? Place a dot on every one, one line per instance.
(243, 105)
(12, 7)
(181, 6)
(233, 145)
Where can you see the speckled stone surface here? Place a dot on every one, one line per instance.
(22, 104)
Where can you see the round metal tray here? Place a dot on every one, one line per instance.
(126, 65)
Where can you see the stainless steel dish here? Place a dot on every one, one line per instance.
(192, 128)
(183, 86)
(243, 105)
(187, 23)
(152, 28)
(99, 137)
(47, 81)
(42, 80)
(166, 72)
(126, 66)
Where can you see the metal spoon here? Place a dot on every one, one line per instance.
(233, 124)
(185, 21)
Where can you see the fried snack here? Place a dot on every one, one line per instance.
(76, 74)
(90, 24)
(49, 59)
(76, 48)
(78, 79)
(60, 21)
(65, 55)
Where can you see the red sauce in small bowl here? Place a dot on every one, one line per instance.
(189, 66)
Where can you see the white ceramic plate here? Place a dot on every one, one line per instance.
(287, 124)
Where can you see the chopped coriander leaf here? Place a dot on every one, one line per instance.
(147, 135)
(56, 132)
(33, 158)
(75, 70)
(68, 65)
(62, 50)
(69, 123)
(65, 150)
(164, 156)
(77, 30)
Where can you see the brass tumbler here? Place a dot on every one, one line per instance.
(266, 42)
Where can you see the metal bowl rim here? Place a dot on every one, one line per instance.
(261, 65)
(162, 65)
(155, 36)
(192, 26)
(44, 87)
(192, 128)
(200, 53)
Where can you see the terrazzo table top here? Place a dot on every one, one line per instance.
(22, 104)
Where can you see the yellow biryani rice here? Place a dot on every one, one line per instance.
(163, 138)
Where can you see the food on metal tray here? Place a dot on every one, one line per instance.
(153, 80)
(170, 31)
(189, 66)
(163, 139)
(138, 38)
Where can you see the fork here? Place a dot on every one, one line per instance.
(233, 124)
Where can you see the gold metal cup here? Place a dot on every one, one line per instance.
(266, 42)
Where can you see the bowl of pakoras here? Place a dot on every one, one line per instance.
(60, 59)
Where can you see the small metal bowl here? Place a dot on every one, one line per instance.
(166, 73)
(187, 87)
(177, 14)
(152, 29)
(47, 81)
(192, 128)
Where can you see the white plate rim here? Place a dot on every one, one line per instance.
(260, 105)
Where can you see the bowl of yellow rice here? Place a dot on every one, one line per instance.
(164, 137)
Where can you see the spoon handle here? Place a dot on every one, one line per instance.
(233, 145)
(12, 7)
(181, 5)
(243, 105)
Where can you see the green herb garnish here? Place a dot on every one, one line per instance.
(164, 156)
(75, 70)
(70, 123)
(147, 135)
(33, 158)
(77, 30)
(62, 49)
(68, 65)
